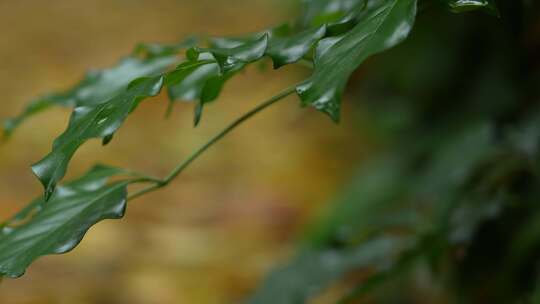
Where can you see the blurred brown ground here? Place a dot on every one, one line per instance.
(211, 235)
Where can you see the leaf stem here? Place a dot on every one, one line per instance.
(182, 166)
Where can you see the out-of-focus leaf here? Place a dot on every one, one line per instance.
(535, 297)
(442, 183)
(360, 222)
(382, 25)
(454, 158)
(97, 87)
(402, 264)
(312, 271)
(153, 50)
(389, 195)
(58, 225)
(95, 121)
(373, 202)
(525, 137)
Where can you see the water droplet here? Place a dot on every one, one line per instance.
(67, 246)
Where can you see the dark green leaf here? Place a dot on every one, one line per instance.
(97, 87)
(373, 202)
(204, 82)
(189, 78)
(190, 81)
(153, 50)
(96, 121)
(57, 226)
(460, 6)
(320, 12)
(228, 56)
(382, 25)
(233, 55)
(311, 272)
(289, 49)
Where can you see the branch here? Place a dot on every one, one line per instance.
(182, 166)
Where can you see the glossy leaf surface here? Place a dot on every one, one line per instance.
(187, 81)
(382, 24)
(97, 121)
(154, 50)
(192, 81)
(95, 88)
(204, 82)
(289, 49)
(460, 6)
(233, 56)
(57, 226)
(330, 12)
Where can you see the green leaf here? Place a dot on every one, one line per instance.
(382, 25)
(461, 6)
(189, 81)
(289, 49)
(96, 87)
(57, 226)
(95, 121)
(320, 12)
(153, 50)
(233, 55)
(198, 79)
(186, 82)
(284, 44)
(373, 202)
(204, 82)
(312, 271)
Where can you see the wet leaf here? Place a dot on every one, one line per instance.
(96, 87)
(289, 49)
(461, 6)
(191, 81)
(233, 55)
(57, 226)
(204, 82)
(331, 12)
(382, 25)
(94, 121)
(153, 50)
(186, 82)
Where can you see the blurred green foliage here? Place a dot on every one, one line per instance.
(454, 190)
(445, 212)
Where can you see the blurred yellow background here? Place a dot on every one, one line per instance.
(211, 235)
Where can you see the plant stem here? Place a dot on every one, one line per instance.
(182, 166)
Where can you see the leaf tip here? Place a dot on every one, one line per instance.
(42, 170)
(107, 139)
(9, 126)
(198, 113)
